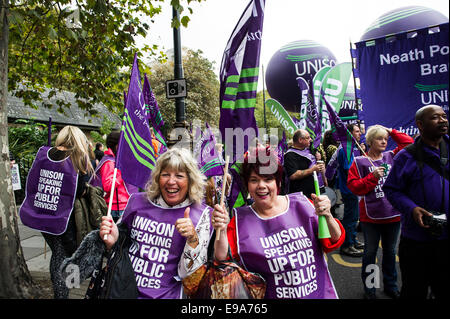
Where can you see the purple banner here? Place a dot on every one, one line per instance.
(340, 132)
(400, 74)
(239, 80)
(153, 113)
(135, 154)
(210, 162)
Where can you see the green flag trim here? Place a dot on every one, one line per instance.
(134, 140)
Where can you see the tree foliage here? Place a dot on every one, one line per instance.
(26, 139)
(86, 48)
(202, 101)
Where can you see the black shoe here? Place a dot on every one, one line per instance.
(370, 295)
(394, 294)
(359, 245)
(351, 251)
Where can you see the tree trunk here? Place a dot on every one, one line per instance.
(15, 279)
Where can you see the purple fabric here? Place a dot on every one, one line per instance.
(156, 245)
(285, 250)
(404, 191)
(153, 113)
(209, 161)
(49, 194)
(313, 117)
(239, 78)
(282, 148)
(340, 132)
(135, 153)
(377, 205)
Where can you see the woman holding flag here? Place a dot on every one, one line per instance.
(377, 216)
(104, 178)
(167, 226)
(277, 236)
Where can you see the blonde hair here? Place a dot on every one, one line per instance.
(76, 145)
(375, 131)
(181, 160)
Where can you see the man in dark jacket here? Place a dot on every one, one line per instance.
(417, 190)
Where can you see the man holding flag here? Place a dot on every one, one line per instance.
(300, 163)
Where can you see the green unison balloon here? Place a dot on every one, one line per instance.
(303, 58)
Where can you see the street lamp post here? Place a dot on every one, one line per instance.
(180, 114)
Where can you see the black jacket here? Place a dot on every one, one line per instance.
(119, 282)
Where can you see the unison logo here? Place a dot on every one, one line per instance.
(312, 66)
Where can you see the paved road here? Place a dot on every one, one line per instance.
(37, 257)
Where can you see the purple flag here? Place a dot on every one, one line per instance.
(313, 118)
(135, 154)
(239, 80)
(210, 162)
(282, 148)
(153, 113)
(340, 132)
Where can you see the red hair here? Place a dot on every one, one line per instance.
(264, 162)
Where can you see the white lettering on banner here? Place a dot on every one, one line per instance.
(48, 190)
(427, 68)
(315, 65)
(149, 252)
(291, 260)
(438, 49)
(404, 57)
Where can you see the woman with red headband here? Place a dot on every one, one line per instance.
(277, 236)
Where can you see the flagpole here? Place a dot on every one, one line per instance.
(360, 148)
(224, 183)
(264, 97)
(111, 197)
(354, 79)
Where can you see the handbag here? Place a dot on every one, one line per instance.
(96, 286)
(223, 280)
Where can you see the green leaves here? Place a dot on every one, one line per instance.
(85, 47)
(202, 101)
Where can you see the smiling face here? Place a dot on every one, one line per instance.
(263, 189)
(173, 185)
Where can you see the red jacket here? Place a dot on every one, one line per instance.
(362, 185)
(120, 191)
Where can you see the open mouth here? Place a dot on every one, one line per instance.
(263, 194)
(172, 191)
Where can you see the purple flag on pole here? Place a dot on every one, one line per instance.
(135, 155)
(282, 148)
(313, 118)
(153, 113)
(210, 162)
(340, 132)
(239, 80)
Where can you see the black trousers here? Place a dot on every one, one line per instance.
(424, 265)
